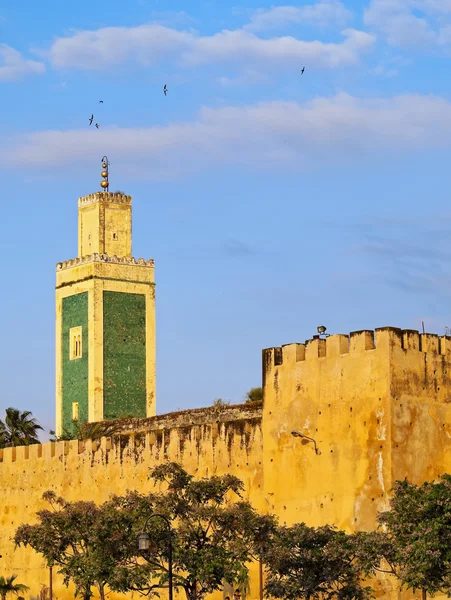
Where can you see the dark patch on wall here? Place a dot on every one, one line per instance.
(74, 372)
(124, 354)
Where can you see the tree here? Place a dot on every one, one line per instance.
(85, 541)
(307, 562)
(19, 429)
(212, 536)
(87, 431)
(417, 545)
(255, 394)
(7, 586)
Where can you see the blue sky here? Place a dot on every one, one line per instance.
(271, 201)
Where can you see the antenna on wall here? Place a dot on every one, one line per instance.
(422, 324)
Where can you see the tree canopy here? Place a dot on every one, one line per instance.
(213, 532)
(309, 563)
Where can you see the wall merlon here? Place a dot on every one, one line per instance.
(445, 344)
(336, 345)
(388, 337)
(410, 339)
(359, 341)
(293, 353)
(315, 348)
(429, 342)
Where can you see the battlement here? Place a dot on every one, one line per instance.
(112, 198)
(104, 258)
(381, 339)
(149, 434)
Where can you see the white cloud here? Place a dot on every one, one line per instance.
(146, 44)
(15, 67)
(323, 13)
(150, 44)
(398, 20)
(242, 46)
(275, 135)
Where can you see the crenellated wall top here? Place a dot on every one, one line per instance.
(382, 339)
(222, 422)
(124, 260)
(112, 197)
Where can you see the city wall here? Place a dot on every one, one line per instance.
(206, 442)
(377, 405)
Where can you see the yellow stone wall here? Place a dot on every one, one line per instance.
(206, 442)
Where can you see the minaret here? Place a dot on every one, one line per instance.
(105, 318)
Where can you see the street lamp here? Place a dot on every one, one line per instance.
(144, 544)
(305, 440)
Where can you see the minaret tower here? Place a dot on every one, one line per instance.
(105, 318)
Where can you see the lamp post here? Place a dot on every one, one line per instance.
(144, 544)
(50, 581)
(305, 440)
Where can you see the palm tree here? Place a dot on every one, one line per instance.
(19, 429)
(87, 431)
(7, 586)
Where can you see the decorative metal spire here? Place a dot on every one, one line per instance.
(105, 164)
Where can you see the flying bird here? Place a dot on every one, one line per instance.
(303, 69)
(165, 89)
(97, 125)
(100, 101)
(91, 119)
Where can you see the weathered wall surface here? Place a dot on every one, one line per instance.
(421, 406)
(206, 442)
(337, 392)
(377, 404)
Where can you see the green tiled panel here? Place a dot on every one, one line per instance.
(124, 355)
(75, 372)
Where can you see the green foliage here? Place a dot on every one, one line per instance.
(255, 394)
(213, 537)
(418, 527)
(85, 541)
(308, 562)
(87, 431)
(18, 429)
(7, 586)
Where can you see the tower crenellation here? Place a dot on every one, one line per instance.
(383, 339)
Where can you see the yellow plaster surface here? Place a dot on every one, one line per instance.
(377, 404)
(105, 224)
(92, 471)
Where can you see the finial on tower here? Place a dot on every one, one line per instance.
(105, 164)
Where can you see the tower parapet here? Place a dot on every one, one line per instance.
(113, 197)
(382, 339)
